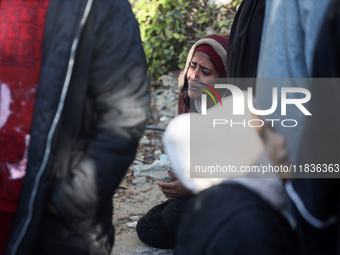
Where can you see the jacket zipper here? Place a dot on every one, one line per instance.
(54, 125)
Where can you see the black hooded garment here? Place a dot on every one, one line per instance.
(244, 43)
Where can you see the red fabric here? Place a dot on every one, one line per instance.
(221, 39)
(7, 220)
(21, 35)
(216, 59)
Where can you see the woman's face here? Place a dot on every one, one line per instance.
(202, 70)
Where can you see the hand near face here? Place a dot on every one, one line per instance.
(275, 145)
(173, 189)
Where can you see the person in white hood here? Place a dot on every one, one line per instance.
(235, 212)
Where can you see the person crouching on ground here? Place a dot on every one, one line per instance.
(206, 61)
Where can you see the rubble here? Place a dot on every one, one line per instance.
(139, 192)
(156, 171)
(139, 180)
(132, 224)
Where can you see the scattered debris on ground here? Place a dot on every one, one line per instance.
(138, 192)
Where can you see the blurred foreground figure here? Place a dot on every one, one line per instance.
(317, 201)
(241, 212)
(74, 102)
(301, 40)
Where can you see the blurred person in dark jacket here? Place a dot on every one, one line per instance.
(74, 103)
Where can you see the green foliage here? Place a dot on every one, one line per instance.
(170, 27)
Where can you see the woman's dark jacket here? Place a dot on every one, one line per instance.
(90, 110)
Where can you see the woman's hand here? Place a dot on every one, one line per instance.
(173, 189)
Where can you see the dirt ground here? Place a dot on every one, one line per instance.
(129, 205)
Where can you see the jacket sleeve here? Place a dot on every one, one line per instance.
(120, 90)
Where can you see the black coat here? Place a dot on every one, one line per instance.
(91, 108)
(229, 219)
(244, 43)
